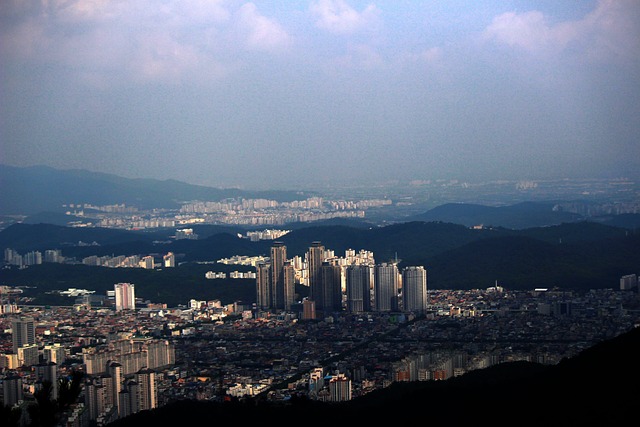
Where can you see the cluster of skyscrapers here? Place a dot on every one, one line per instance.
(26, 353)
(121, 377)
(330, 388)
(334, 286)
(12, 257)
(112, 395)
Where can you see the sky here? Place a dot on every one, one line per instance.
(269, 95)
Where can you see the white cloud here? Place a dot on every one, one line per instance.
(261, 32)
(85, 11)
(162, 41)
(527, 30)
(610, 30)
(160, 57)
(139, 12)
(613, 29)
(336, 16)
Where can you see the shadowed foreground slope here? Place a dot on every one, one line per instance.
(600, 386)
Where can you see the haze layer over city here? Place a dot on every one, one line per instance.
(311, 93)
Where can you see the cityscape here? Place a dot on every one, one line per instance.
(326, 326)
(329, 211)
(363, 326)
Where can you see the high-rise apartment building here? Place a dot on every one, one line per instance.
(147, 262)
(53, 255)
(48, 372)
(114, 370)
(339, 388)
(128, 399)
(169, 260)
(147, 394)
(132, 362)
(324, 279)
(414, 289)
(9, 255)
(263, 286)
(315, 257)
(12, 390)
(385, 287)
(329, 297)
(125, 296)
(629, 281)
(160, 353)
(150, 353)
(55, 353)
(358, 287)
(28, 355)
(23, 332)
(316, 382)
(278, 258)
(9, 361)
(289, 272)
(308, 309)
(275, 281)
(94, 398)
(33, 258)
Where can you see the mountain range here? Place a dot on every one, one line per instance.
(34, 189)
(44, 194)
(463, 246)
(517, 216)
(582, 255)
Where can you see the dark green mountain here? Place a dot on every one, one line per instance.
(582, 231)
(581, 255)
(404, 240)
(519, 262)
(629, 221)
(55, 218)
(518, 216)
(409, 241)
(173, 286)
(28, 237)
(83, 242)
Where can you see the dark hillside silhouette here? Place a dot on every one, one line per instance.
(599, 386)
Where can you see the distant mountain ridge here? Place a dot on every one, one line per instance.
(517, 216)
(31, 190)
(44, 194)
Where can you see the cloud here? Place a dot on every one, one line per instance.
(336, 16)
(161, 57)
(610, 30)
(84, 11)
(613, 30)
(261, 32)
(527, 30)
(166, 41)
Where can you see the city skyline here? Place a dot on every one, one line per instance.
(218, 93)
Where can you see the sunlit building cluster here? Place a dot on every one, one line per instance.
(354, 283)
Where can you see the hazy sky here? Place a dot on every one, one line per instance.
(265, 93)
